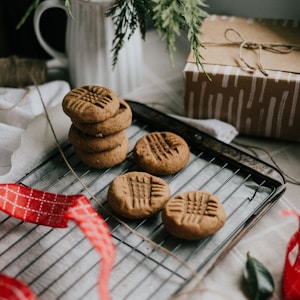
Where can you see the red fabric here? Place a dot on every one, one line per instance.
(291, 272)
(55, 210)
(13, 289)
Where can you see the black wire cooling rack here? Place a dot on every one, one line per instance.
(61, 264)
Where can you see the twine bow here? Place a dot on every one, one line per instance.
(242, 43)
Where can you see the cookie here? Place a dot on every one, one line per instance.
(137, 194)
(104, 159)
(161, 153)
(120, 121)
(90, 143)
(193, 215)
(90, 104)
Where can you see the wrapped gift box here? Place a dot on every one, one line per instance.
(252, 78)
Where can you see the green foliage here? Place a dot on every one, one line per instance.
(29, 10)
(33, 6)
(258, 278)
(128, 16)
(172, 16)
(169, 17)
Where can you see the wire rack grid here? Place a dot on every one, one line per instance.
(61, 264)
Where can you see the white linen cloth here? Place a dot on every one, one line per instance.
(216, 128)
(25, 134)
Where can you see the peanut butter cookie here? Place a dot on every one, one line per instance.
(193, 215)
(120, 121)
(90, 104)
(137, 194)
(104, 159)
(161, 153)
(90, 143)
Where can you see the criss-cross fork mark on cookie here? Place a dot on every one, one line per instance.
(201, 204)
(194, 206)
(96, 96)
(193, 215)
(137, 194)
(91, 95)
(163, 146)
(144, 191)
(161, 153)
(90, 104)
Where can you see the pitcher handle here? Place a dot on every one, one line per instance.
(58, 56)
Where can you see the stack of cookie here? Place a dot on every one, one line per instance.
(99, 121)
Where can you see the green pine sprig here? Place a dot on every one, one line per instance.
(34, 4)
(29, 10)
(128, 16)
(194, 16)
(169, 17)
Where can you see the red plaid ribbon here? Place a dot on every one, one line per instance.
(291, 273)
(55, 210)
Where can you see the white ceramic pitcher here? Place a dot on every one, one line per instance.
(88, 54)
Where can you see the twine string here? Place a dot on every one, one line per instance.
(243, 43)
(235, 38)
(253, 149)
(15, 71)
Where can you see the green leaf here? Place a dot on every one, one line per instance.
(29, 10)
(258, 278)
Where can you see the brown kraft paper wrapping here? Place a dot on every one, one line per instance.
(257, 91)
